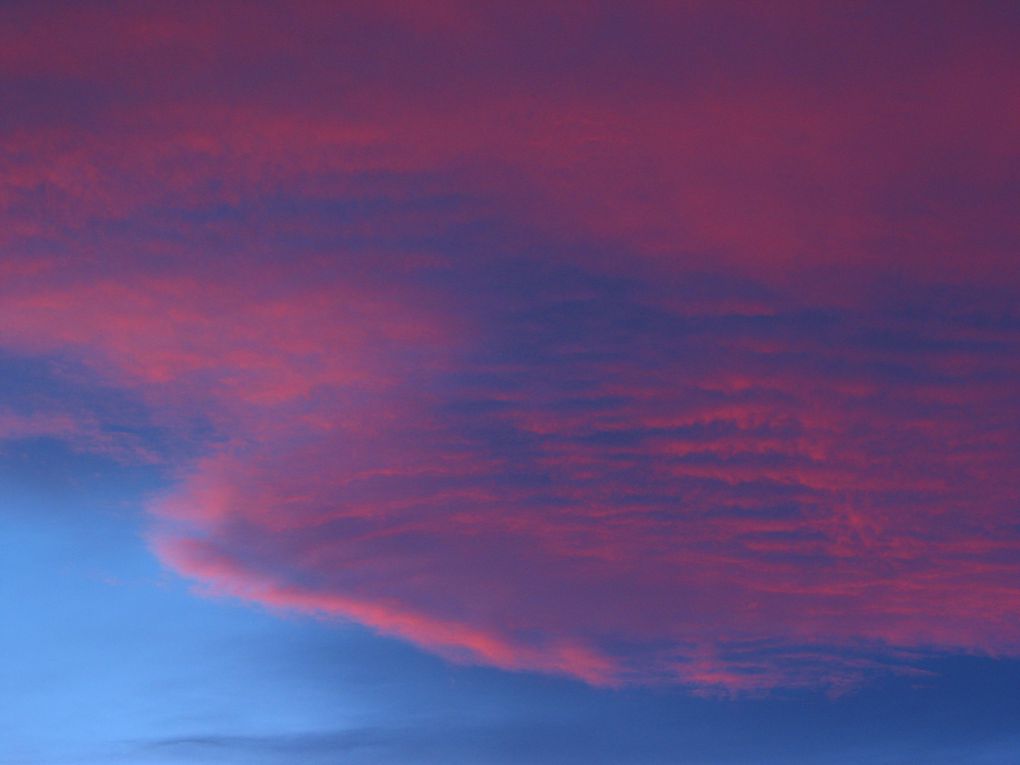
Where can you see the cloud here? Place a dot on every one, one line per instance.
(737, 519)
(310, 747)
(542, 340)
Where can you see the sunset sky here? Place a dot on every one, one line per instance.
(509, 383)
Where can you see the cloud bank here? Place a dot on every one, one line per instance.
(662, 344)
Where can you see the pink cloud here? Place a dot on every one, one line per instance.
(777, 453)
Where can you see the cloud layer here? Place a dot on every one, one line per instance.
(669, 344)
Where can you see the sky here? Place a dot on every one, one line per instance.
(410, 383)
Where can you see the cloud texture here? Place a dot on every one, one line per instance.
(667, 343)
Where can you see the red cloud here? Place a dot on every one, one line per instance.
(554, 340)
